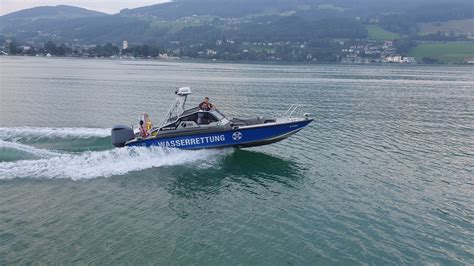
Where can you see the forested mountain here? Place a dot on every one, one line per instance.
(423, 10)
(52, 12)
(190, 21)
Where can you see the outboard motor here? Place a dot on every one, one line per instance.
(121, 134)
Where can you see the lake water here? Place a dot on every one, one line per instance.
(384, 175)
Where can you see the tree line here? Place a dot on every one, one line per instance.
(106, 50)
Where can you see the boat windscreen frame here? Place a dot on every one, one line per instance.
(220, 116)
(214, 112)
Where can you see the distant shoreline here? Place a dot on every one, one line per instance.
(200, 60)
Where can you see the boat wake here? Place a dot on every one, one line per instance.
(108, 163)
(7, 146)
(22, 160)
(36, 133)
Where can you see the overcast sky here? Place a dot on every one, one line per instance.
(108, 6)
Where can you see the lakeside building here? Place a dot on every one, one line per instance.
(469, 60)
(400, 59)
(409, 60)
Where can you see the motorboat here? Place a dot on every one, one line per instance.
(202, 129)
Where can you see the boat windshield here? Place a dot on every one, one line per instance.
(214, 112)
(189, 111)
(217, 114)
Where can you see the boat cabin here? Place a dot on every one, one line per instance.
(195, 118)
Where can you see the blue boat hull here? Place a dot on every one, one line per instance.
(241, 137)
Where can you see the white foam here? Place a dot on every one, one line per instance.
(15, 133)
(104, 163)
(27, 149)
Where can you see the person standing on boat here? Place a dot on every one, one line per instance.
(143, 131)
(206, 105)
(147, 120)
(145, 125)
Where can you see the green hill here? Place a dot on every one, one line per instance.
(377, 33)
(451, 52)
(464, 25)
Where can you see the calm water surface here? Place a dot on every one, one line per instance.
(385, 174)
